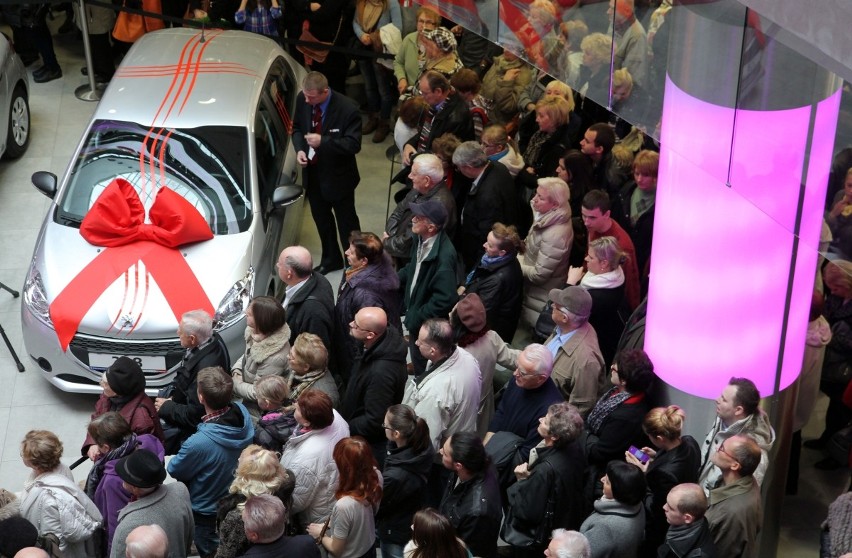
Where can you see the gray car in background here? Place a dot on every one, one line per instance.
(191, 137)
(14, 102)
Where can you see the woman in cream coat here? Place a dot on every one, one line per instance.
(267, 346)
(545, 262)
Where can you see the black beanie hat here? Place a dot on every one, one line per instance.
(16, 533)
(125, 377)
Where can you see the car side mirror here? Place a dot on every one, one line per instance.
(45, 182)
(286, 195)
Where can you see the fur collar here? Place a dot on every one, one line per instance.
(11, 509)
(261, 350)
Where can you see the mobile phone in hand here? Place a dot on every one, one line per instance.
(639, 454)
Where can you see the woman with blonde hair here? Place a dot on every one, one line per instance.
(595, 77)
(548, 246)
(675, 459)
(555, 132)
(308, 360)
(53, 502)
(605, 282)
(258, 472)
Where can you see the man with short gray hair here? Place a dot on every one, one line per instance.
(308, 296)
(265, 520)
(427, 181)
(578, 365)
(491, 199)
(178, 403)
(568, 544)
(147, 541)
(526, 398)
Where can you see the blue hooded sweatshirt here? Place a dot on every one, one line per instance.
(207, 460)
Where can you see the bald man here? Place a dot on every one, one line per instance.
(378, 377)
(308, 297)
(147, 541)
(689, 532)
(31, 552)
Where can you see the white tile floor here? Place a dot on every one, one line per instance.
(27, 401)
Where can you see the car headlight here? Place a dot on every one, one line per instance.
(34, 297)
(234, 303)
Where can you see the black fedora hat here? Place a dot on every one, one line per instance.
(142, 469)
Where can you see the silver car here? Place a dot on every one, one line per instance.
(180, 196)
(14, 102)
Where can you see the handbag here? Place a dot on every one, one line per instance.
(505, 455)
(836, 368)
(544, 325)
(314, 53)
(513, 532)
(130, 27)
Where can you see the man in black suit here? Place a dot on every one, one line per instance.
(180, 407)
(491, 199)
(326, 136)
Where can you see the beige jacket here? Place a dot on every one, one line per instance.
(545, 263)
(262, 358)
(578, 370)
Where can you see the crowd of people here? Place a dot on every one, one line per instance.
(472, 380)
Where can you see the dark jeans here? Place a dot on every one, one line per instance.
(378, 87)
(206, 539)
(837, 415)
(40, 38)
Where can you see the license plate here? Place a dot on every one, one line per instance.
(101, 362)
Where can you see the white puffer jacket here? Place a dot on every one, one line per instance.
(54, 504)
(309, 456)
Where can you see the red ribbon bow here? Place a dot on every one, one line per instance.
(116, 220)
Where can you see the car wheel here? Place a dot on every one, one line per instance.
(18, 134)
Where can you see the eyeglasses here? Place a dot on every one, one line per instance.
(356, 326)
(523, 374)
(721, 449)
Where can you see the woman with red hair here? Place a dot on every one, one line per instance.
(350, 532)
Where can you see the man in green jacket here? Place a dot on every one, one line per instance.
(428, 281)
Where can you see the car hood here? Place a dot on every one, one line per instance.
(134, 305)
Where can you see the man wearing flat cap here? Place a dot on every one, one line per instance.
(152, 503)
(428, 281)
(578, 365)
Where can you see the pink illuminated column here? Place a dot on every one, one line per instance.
(748, 130)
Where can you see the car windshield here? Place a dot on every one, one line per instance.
(207, 165)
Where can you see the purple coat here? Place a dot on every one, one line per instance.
(375, 285)
(110, 497)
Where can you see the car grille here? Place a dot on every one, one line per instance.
(82, 345)
(115, 347)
